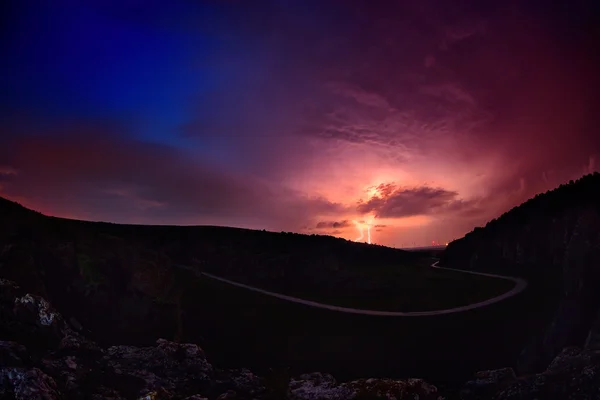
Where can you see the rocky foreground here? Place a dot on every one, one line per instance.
(42, 356)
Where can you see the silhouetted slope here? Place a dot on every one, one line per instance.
(566, 204)
(8, 206)
(553, 240)
(14, 218)
(121, 281)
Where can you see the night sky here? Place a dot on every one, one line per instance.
(431, 117)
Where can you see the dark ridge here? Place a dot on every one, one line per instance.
(8, 206)
(122, 284)
(123, 280)
(552, 240)
(582, 193)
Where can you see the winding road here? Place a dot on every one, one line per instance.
(520, 285)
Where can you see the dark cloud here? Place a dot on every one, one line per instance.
(471, 106)
(410, 80)
(403, 202)
(333, 224)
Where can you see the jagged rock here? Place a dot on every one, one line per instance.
(487, 383)
(12, 354)
(228, 395)
(318, 386)
(572, 358)
(29, 319)
(74, 342)
(75, 375)
(81, 369)
(159, 394)
(170, 366)
(242, 381)
(529, 387)
(70, 366)
(36, 309)
(27, 384)
(33, 322)
(573, 374)
(393, 389)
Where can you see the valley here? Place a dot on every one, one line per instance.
(248, 297)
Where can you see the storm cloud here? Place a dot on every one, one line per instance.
(398, 203)
(433, 116)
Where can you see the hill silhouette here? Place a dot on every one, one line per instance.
(122, 285)
(553, 240)
(82, 266)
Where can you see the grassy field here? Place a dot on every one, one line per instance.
(121, 282)
(238, 327)
(403, 288)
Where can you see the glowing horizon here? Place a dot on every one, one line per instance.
(432, 124)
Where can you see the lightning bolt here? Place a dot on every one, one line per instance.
(360, 226)
(360, 229)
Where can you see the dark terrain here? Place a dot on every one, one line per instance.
(120, 285)
(553, 241)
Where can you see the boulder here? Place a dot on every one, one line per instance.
(34, 323)
(570, 359)
(228, 395)
(65, 364)
(241, 381)
(393, 389)
(317, 386)
(27, 384)
(573, 374)
(64, 361)
(487, 383)
(174, 367)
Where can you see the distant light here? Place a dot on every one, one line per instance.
(446, 244)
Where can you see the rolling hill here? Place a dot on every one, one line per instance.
(121, 284)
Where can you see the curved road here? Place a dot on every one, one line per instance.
(520, 285)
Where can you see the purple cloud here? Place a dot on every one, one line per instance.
(333, 224)
(399, 203)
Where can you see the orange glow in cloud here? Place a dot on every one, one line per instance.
(297, 137)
